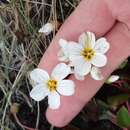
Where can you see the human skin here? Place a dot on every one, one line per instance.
(105, 18)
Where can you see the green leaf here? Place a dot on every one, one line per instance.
(123, 117)
(118, 99)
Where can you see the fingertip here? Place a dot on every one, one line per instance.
(69, 108)
(55, 119)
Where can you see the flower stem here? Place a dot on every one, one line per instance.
(20, 124)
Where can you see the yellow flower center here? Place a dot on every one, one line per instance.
(88, 53)
(52, 85)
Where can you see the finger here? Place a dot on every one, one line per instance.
(92, 15)
(70, 106)
(120, 10)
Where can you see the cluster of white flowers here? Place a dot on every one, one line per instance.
(86, 56)
(80, 59)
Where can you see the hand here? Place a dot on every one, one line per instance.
(103, 17)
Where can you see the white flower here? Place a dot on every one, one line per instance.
(112, 78)
(63, 54)
(52, 86)
(46, 29)
(95, 74)
(88, 53)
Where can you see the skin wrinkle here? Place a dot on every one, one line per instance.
(120, 10)
(70, 30)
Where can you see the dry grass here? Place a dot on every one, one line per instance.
(21, 47)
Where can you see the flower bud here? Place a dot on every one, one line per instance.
(112, 78)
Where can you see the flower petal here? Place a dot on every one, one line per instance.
(79, 77)
(62, 43)
(62, 56)
(39, 75)
(81, 67)
(66, 87)
(39, 92)
(87, 39)
(64, 52)
(82, 39)
(101, 46)
(54, 100)
(99, 60)
(60, 71)
(96, 73)
(74, 50)
(65, 45)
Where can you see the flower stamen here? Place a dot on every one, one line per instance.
(52, 85)
(88, 53)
